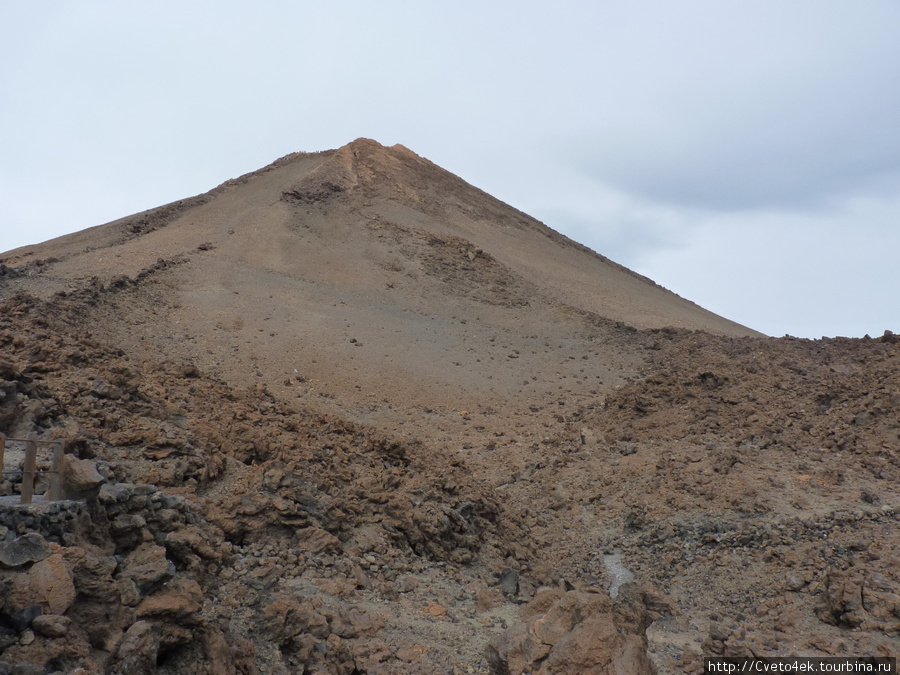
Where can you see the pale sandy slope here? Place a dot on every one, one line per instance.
(374, 271)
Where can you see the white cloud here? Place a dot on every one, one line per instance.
(787, 273)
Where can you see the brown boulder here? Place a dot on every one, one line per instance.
(316, 540)
(48, 584)
(881, 599)
(92, 573)
(239, 516)
(137, 651)
(581, 631)
(103, 622)
(228, 655)
(179, 601)
(51, 625)
(354, 622)
(80, 478)
(190, 541)
(286, 617)
(148, 567)
(788, 620)
(841, 603)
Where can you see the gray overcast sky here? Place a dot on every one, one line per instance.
(743, 154)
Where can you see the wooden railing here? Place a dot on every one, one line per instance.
(30, 464)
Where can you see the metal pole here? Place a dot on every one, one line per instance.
(28, 471)
(56, 472)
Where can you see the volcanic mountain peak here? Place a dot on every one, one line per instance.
(348, 198)
(363, 245)
(373, 171)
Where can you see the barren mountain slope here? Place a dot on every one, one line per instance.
(753, 481)
(354, 415)
(367, 263)
(310, 215)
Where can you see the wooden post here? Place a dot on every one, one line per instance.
(2, 453)
(28, 471)
(56, 472)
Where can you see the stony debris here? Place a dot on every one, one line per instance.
(580, 631)
(28, 548)
(219, 529)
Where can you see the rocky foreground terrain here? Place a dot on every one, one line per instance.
(570, 489)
